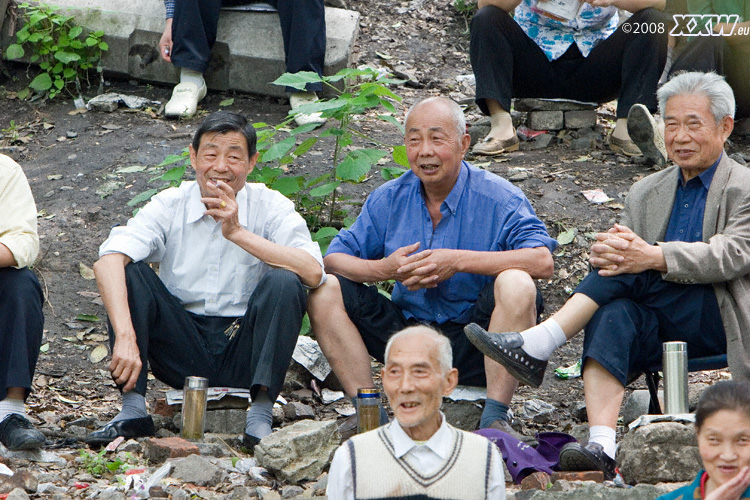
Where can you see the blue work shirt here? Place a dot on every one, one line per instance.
(483, 212)
(686, 221)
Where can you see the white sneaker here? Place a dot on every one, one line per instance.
(184, 101)
(298, 99)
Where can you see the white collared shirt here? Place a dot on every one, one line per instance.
(18, 229)
(425, 458)
(209, 274)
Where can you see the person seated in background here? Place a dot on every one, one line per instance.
(235, 260)
(676, 268)
(722, 423)
(21, 299)
(462, 244)
(190, 34)
(586, 58)
(419, 454)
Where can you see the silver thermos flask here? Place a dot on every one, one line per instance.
(194, 396)
(674, 367)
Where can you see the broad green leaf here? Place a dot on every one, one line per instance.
(172, 159)
(23, 94)
(141, 197)
(304, 128)
(14, 51)
(567, 236)
(305, 146)
(278, 150)
(87, 317)
(42, 82)
(75, 31)
(69, 73)
(173, 174)
(399, 156)
(324, 190)
(103, 46)
(357, 163)
(303, 331)
(325, 232)
(391, 119)
(298, 80)
(389, 173)
(226, 102)
(288, 185)
(67, 57)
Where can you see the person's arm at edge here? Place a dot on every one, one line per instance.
(340, 475)
(506, 5)
(536, 261)
(7, 259)
(110, 278)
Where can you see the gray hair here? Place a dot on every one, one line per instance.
(445, 351)
(711, 85)
(457, 114)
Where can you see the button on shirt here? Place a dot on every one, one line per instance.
(425, 457)
(17, 214)
(483, 212)
(209, 274)
(686, 220)
(591, 25)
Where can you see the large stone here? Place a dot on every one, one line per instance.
(551, 105)
(659, 452)
(20, 479)
(247, 56)
(17, 494)
(158, 450)
(546, 120)
(580, 118)
(462, 414)
(227, 421)
(299, 452)
(591, 491)
(198, 471)
(635, 406)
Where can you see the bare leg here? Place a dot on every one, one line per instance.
(575, 314)
(338, 337)
(16, 393)
(603, 393)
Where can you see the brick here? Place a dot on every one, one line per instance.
(158, 450)
(535, 481)
(546, 120)
(580, 119)
(162, 408)
(592, 475)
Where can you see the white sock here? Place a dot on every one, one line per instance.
(501, 125)
(540, 341)
(621, 129)
(605, 436)
(192, 76)
(9, 406)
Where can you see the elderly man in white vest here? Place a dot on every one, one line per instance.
(419, 454)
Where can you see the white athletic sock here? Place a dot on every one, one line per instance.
(192, 76)
(9, 406)
(540, 341)
(605, 436)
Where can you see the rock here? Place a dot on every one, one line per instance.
(217, 450)
(546, 120)
(580, 432)
(592, 491)
(241, 493)
(198, 471)
(297, 377)
(291, 491)
(478, 132)
(695, 389)
(585, 143)
(542, 141)
(537, 410)
(535, 481)
(23, 479)
(110, 494)
(659, 452)
(268, 494)
(462, 414)
(580, 118)
(17, 494)
(739, 158)
(298, 411)
(596, 476)
(158, 450)
(299, 452)
(635, 406)
(551, 105)
(321, 484)
(181, 495)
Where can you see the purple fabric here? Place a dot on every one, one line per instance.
(521, 459)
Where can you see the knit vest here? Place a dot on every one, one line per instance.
(379, 474)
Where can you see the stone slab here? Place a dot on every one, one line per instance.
(247, 56)
(580, 118)
(546, 120)
(551, 105)
(227, 421)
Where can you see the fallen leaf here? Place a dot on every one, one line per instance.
(47, 126)
(44, 347)
(86, 293)
(78, 111)
(567, 236)
(98, 354)
(226, 102)
(87, 317)
(54, 177)
(131, 169)
(111, 126)
(86, 272)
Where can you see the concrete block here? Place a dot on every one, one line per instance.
(580, 118)
(247, 56)
(551, 105)
(228, 421)
(546, 120)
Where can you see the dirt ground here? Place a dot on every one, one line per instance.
(72, 161)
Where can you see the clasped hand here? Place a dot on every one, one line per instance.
(620, 251)
(423, 269)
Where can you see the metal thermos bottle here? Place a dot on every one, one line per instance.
(368, 409)
(194, 395)
(674, 367)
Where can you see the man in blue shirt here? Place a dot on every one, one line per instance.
(675, 269)
(462, 245)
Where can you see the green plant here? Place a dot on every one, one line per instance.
(467, 8)
(64, 53)
(10, 134)
(97, 464)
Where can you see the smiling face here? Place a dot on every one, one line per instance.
(724, 445)
(693, 138)
(222, 157)
(434, 147)
(415, 384)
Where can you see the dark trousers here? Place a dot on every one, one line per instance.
(178, 344)
(21, 326)
(377, 318)
(302, 28)
(713, 53)
(640, 311)
(507, 63)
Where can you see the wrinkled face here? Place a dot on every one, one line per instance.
(224, 157)
(415, 384)
(693, 138)
(724, 445)
(433, 145)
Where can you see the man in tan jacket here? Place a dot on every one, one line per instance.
(676, 268)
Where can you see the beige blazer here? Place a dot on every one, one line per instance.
(722, 258)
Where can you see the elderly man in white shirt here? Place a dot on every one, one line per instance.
(418, 455)
(235, 260)
(21, 298)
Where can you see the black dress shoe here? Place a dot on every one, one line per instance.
(575, 457)
(17, 433)
(504, 425)
(505, 348)
(128, 428)
(249, 441)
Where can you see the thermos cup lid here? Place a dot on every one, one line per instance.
(674, 346)
(370, 392)
(196, 383)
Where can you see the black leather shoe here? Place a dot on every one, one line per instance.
(504, 425)
(249, 441)
(17, 433)
(575, 457)
(505, 348)
(128, 428)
